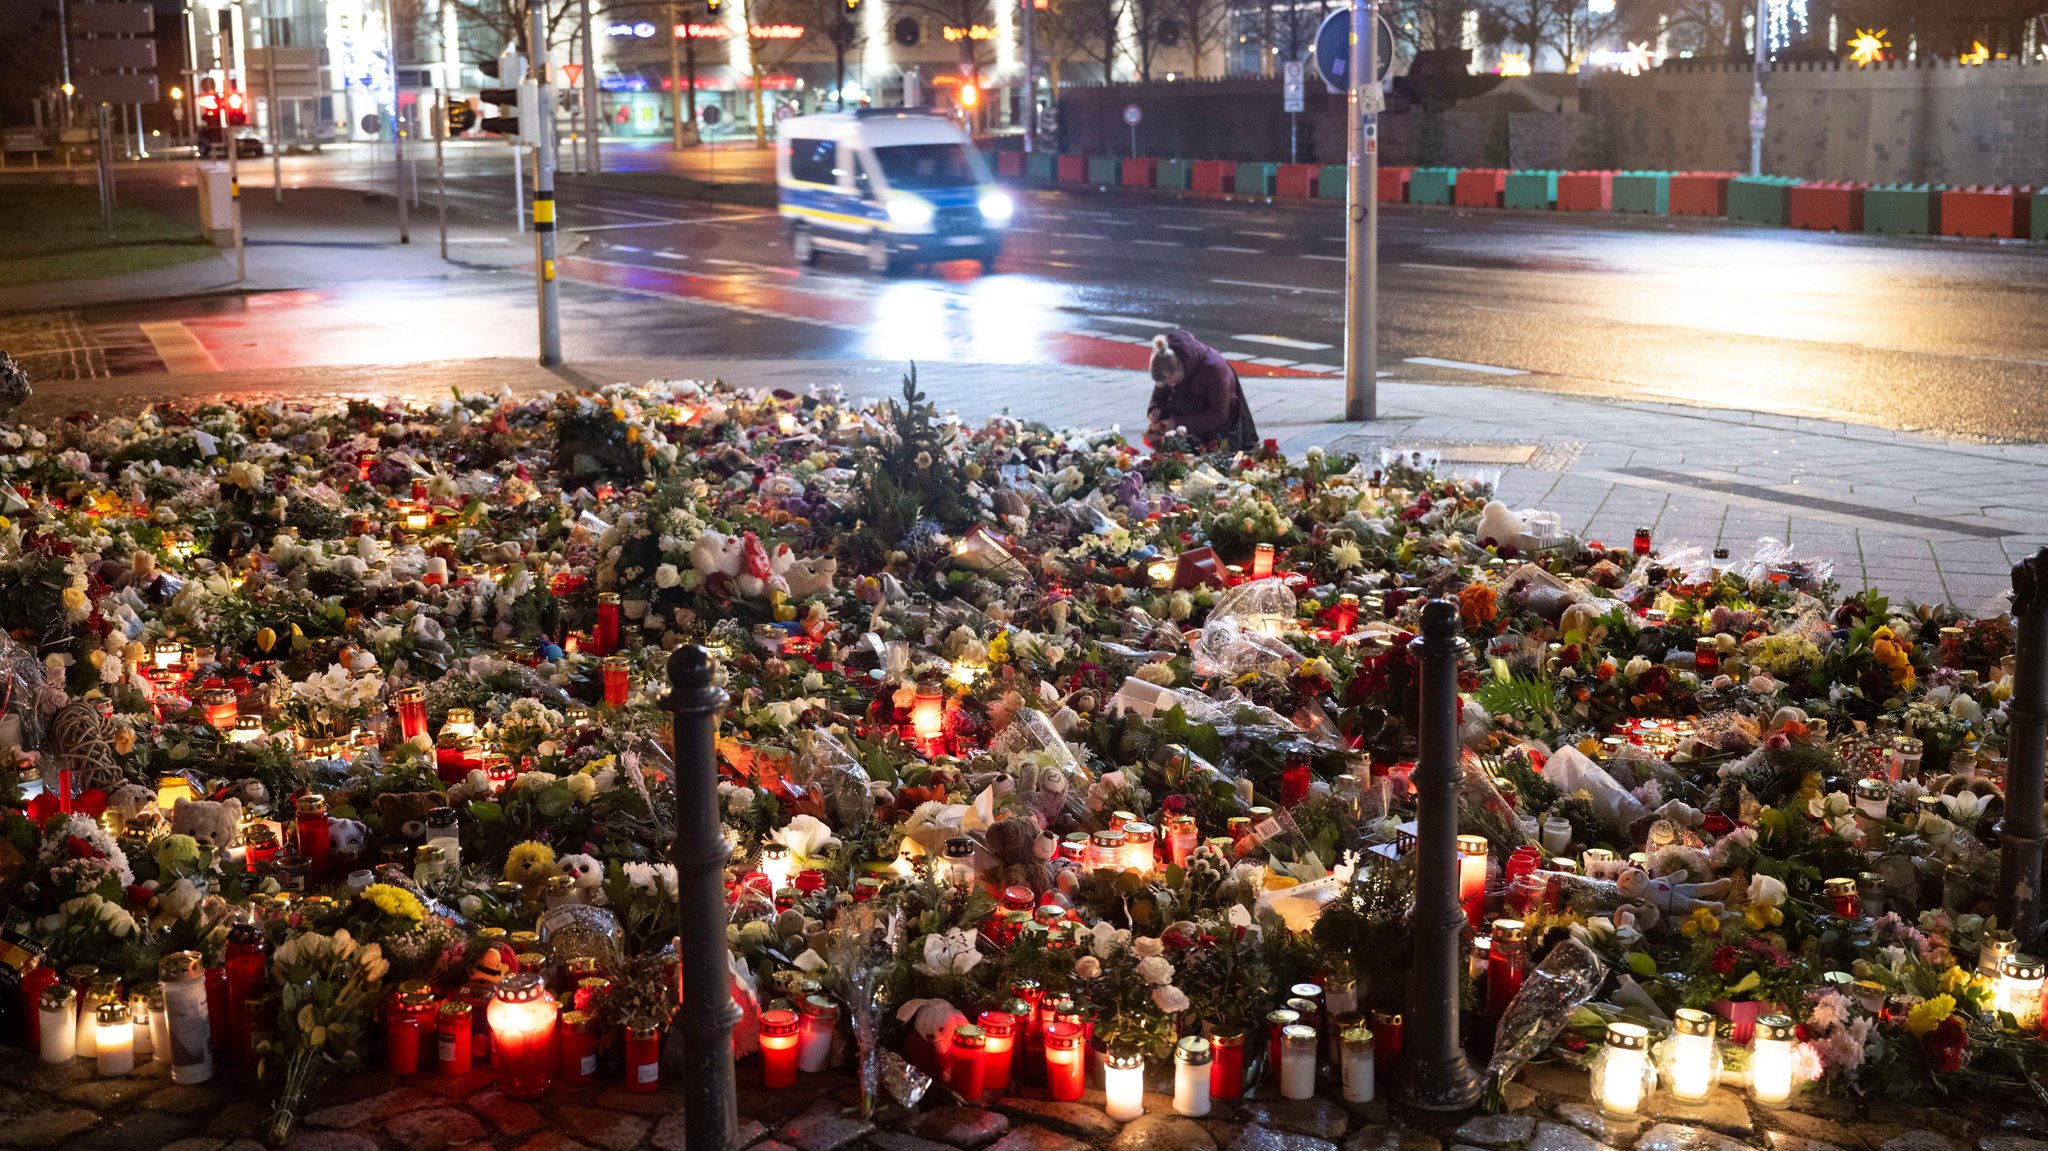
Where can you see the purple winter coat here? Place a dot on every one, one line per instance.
(1208, 401)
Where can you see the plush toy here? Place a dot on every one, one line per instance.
(128, 801)
(810, 578)
(1498, 525)
(210, 824)
(402, 815)
(495, 962)
(1583, 619)
(1671, 896)
(760, 570)
(588, 874)
(1014, 841)
(348, 842)
(176, 856)
(716, 553)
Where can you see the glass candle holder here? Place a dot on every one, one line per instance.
(1693, 1064)
(1064, 1062)
(998, 1048)
(643, 1059)
(1192, 1059)
(820, 1021)
(1770, 1061)
(1355, 1053)
(57, 1022)
(453, 1032)
(310, 821)
(966, 1069)
(1226, 1062)
(114, 1039)
(1507, 963)
(1620, 1069)
(1297, 1061)
(247, 729)
(1123, 1085)
(2019, 992)
(1294, 779)
(1996, 946)
(221, 707)
(183, 975)
(605, 639)
(579, 1048)
(778, 1048)
(618, 680)
(1472, 878)
(928, 716)
(522, 1021)
(1843, 898)
(411, 702)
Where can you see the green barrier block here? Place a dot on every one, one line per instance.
(1042, 167)
(1105, 170)
(1761, 199)
(1535, 190)
(1902, 209)
(1334, 183)
(1432, 185)
(1256, 179)
(1645, 193)
(1175, 175)
(2040, 216)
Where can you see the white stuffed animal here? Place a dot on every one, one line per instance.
(810, 578)
(1498, 525)
(716, 553)
(761, 570)
(1671, 896)
(588, 874)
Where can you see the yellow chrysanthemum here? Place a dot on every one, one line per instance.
(1757, 917)
(1928, 1014)
(1955, 979)
(396, 902)
(1701, 922)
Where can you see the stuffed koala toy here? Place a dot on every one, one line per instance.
(402, 815)
(1016, 842)
(588, 874)
(210, 824)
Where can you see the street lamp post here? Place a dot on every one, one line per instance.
(1759, 104)
(710, 1107)
(2020, 833)
(593, 110)
(1362, 217)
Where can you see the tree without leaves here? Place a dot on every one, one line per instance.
(489, 25)
(1098, 31)
(1428, 25)
(1202, 25)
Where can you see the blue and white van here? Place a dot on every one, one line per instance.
(895, 186)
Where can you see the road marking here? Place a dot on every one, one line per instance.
(1239, 251)
(1022, 228)
(1439, 267)
(670, 256)
(723, 262)
(478, 240)
(1180, 227)
(1133, 321)
(1278, 287)
(615, 227)
(625, 213)
(1263, 235)
(1314, 256)
(1284, 342)
(1268, 361)
(1159, 243)
(1078, 236)
(178, 348)
(1327, 369)
(627, 248)
(1461, 365)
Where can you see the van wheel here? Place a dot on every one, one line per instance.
(802, 246)
(881, 261)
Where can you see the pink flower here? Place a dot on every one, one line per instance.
(1806, 1063)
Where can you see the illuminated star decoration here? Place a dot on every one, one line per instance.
(1512, 64)
(1977, 54)
(1868, 47)
(1640, 59)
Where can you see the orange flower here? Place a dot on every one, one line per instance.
(1605, 671)
(1478, 604)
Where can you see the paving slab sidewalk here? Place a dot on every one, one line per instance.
(1922, 518)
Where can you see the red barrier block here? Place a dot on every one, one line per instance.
(1698, 193)
(1585, 192)
(1827, 206)
(1394, 185)
(1480, 188)
(1995, 213)
(1073, 169)
(1141, 172)
(1213, 176)
(1010, 164)
(1297, 180)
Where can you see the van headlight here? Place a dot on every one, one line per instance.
(996, 208)
(911, 213)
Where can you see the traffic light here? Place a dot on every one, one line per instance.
(852, 6)
(711, 6)
(519, 111)
(461, 118)
(216, 111)
(238, 109)
(209, 109)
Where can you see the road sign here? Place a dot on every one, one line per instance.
(1333, 49)
(711, 114)
(1292, 76)
(112, 19)
(113, 55)
(1759, 110)
(118, 88)
(1133, 115)
(373, 124)
(574, 72)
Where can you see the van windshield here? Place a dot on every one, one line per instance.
(914, 167)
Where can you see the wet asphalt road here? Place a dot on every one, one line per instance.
(1919, 334)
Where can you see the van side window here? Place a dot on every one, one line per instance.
(811, 161)
(862, 185)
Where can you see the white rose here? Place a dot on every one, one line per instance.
(1155, 969)
(1170, 999)
(1148, 946)
(1088, 967)
(666, 576)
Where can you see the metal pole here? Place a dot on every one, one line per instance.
(593, 110)
(1362, 220)
(440, 170)
(675, 83)
(1030, 78)
(397, 135)
(708, 1012)
(64, 55)
(270, 85)
(518, 188)
(1439, 1077)
(544, 196)
(141, 136)
(1759, 104)
(106, 168)
(2026, 742)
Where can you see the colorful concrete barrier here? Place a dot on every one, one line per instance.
(1700, 193)
(1480, 188)
(1761, 199)
(1643, 193)
(1393, 183)
(2040, 220)
(1296, 181)
(1010, 164)
(1105, 170)
(1431, 185)
(1902, 209)
(1174, 175)
(1826, 206)
(1214, 177)
(1997, 213)
(1534, 190)
(1138, 172)
(1585, 192)
(1042, 167)
(1255, 178)
(1073, 169)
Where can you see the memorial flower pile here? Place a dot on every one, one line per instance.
(337, 735)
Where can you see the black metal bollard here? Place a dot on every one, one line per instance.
(708, 1014)
(1439, 1078)
(2026, 748)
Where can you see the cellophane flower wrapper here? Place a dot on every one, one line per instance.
(1038, 756)
(1242, 633)
(1566, 980)
(825, 768)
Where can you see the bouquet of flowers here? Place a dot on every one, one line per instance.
(331, 985)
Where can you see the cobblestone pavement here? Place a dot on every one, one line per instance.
(67, 1108)
(1922, 518)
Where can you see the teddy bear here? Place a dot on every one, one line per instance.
(348, 843)
(1498, 525)
(128, 801)
(1014, 841)
(716, 553)
(588, 874)
(809, 578)
(1670, 895)
(210, 824)
(760, 569)
(402, 815)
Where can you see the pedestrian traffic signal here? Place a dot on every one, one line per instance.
(461, 118)
(216, 111)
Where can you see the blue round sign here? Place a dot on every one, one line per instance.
(1333, 50)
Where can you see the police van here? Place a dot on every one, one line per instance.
(895, 186)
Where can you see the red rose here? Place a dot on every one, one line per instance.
(1948, 1045)
(90, 802)
(1724, 960)
(1653, 681)
(42, 807)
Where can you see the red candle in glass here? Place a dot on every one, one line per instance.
(221, 707)
(217, 1013)
(522, 1020)
(778, 1048)
(1642, 542)
(1294, 779)
(1262, 561)
(262, 843)
(999, 1040)
(1063, 1061)
(643, 1059)
(1507, 964)
(1387, 1028)
(1277, 1021)
(452, 1035)
(63, 789)
(605, 639)
(34, 982)
(1344, 618)
(1706, 657)
(1226, 1063)
(244, 963)
(618, 678)
(402, 1043)
(311, 813)
(412, 711)
(967, 1069)
(579, 1048)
